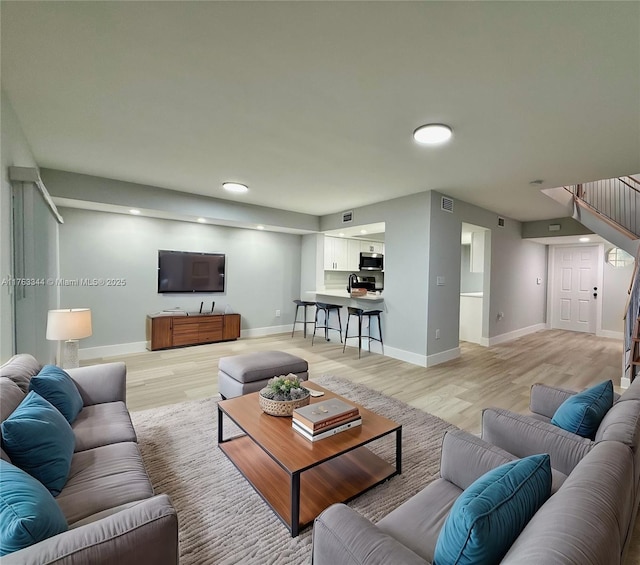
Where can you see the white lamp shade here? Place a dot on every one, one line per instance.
(71, 323)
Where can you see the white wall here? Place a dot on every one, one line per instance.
(262, 272)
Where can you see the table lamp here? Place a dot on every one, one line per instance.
(69, 325)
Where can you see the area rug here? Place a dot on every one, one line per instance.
(222, 520)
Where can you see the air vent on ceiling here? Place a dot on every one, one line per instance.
(347, 217)
(500, 222)
(446, 204)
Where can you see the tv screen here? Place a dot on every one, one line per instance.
(184, 271)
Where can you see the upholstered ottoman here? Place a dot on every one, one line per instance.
(242, 374)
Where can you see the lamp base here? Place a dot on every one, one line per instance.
(70, 359)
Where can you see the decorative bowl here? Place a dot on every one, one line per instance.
(281, 407)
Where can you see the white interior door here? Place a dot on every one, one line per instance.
(575, 288)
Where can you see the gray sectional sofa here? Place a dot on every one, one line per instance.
(588, 519)
(108, 500)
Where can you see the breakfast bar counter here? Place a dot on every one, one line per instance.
(338, 293)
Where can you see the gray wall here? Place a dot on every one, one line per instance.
(37, 231)
(616, 281)
(540, 228)
(262, 272)
(406, 267)
(469, 282)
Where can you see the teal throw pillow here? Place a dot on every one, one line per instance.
(489, 515)
(28, 512)
(40, 441)
(582, 413)
(55, 385)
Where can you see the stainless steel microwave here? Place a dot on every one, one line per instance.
(371, 262)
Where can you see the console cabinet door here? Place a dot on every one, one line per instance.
(161, 334)
(210, 329)
(231, 326)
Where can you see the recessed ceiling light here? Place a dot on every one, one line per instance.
(235, 187)
(433, 134)
(134, 212)
(341, 234)
(201, 221)
(363, 231)
(584, 239)
(260, 227)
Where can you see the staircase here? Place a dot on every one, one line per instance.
(611, 208)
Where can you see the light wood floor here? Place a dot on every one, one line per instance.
(455, 391)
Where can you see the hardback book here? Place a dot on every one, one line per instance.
(318, 413)
(327, 433)
(333, 423)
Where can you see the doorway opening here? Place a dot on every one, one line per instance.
(475, 262)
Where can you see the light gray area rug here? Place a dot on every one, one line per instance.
(223, 520)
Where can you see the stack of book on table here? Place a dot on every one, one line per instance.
(323, 419)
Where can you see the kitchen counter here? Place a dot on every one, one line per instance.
(337, 293)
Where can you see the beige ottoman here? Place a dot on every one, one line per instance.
(242, 374)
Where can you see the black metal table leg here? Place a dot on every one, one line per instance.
(295, 504)
(220, 440)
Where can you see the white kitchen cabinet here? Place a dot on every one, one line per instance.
(372, 247)
(336, 253)
(353, 254)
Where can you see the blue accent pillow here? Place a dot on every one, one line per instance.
(55, 385)
(40, 441)
(489, 515)
(28, 512)
(582, 413)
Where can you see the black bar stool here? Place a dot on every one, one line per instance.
(360, 313)
(303, 304)
(326, 309)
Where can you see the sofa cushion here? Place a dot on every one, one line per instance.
(103, 424)
(102, 478)
(20, 368)
(11, 395)
(40, 441)
(582, 413)
(490, 514)
(28, 512)
(55, 385)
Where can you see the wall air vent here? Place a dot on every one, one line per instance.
(500, 222)
(446, 204)
(347, 217)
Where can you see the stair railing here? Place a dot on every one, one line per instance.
(616, 199)
(630, 317)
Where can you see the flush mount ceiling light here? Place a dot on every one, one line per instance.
(433, 134)
(235, 187)
(584, 239)
(134, 212)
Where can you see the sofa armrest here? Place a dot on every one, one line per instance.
(342, 537)
(545, 400)
(146, 533)
(523, 436)
(466, 458)
(98, 384)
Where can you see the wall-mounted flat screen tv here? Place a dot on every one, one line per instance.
(185, 271)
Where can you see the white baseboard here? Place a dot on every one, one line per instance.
(625, 382)
(510, 336)
(407, 356)
(112, 350)
(610, 334)
(443, 356)
(268, 330)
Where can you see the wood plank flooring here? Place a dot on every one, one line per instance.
(455, 391)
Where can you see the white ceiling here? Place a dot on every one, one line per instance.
(312, 104)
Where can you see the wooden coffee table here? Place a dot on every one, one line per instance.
(298, 478)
